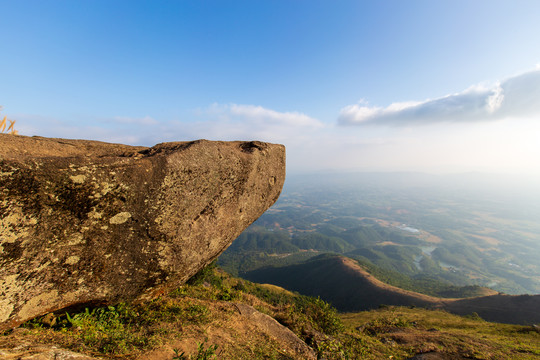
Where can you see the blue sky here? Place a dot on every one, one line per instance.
(435, 86)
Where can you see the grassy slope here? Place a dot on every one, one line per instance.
(203, 319)
(452, 336)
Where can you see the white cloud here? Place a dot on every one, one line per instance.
(446, 146)
(515, 97)
(494, 101)
(217, 122)
(247, 122)
(118, 129)
(252, 114)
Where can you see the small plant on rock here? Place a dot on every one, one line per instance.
(203, 353)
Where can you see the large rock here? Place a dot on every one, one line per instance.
(86, 222)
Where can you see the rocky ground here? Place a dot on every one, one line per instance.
(219, 317)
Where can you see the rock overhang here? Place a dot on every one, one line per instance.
(91, 222)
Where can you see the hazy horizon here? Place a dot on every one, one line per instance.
(434, 87)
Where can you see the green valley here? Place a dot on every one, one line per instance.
(443, 236)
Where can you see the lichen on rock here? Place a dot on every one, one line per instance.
(86, 222)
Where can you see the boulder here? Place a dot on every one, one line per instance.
(90, 223)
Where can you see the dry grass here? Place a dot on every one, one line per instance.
(420, 331)
(10, 129)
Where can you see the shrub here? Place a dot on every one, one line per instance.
(206, 274)
(107, 328)
(202, 353)
(474, 316)
(319, 313)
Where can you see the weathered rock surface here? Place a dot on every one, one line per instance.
(89, 222)
(268, 325)
(41, 352)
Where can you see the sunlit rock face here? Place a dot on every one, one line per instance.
(85, 222)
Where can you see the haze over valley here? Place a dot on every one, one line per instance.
(459, 230)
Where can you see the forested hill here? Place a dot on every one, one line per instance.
(391, 255)
(414, 231)
(349, 287)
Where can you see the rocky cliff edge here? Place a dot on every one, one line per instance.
(86, 222)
